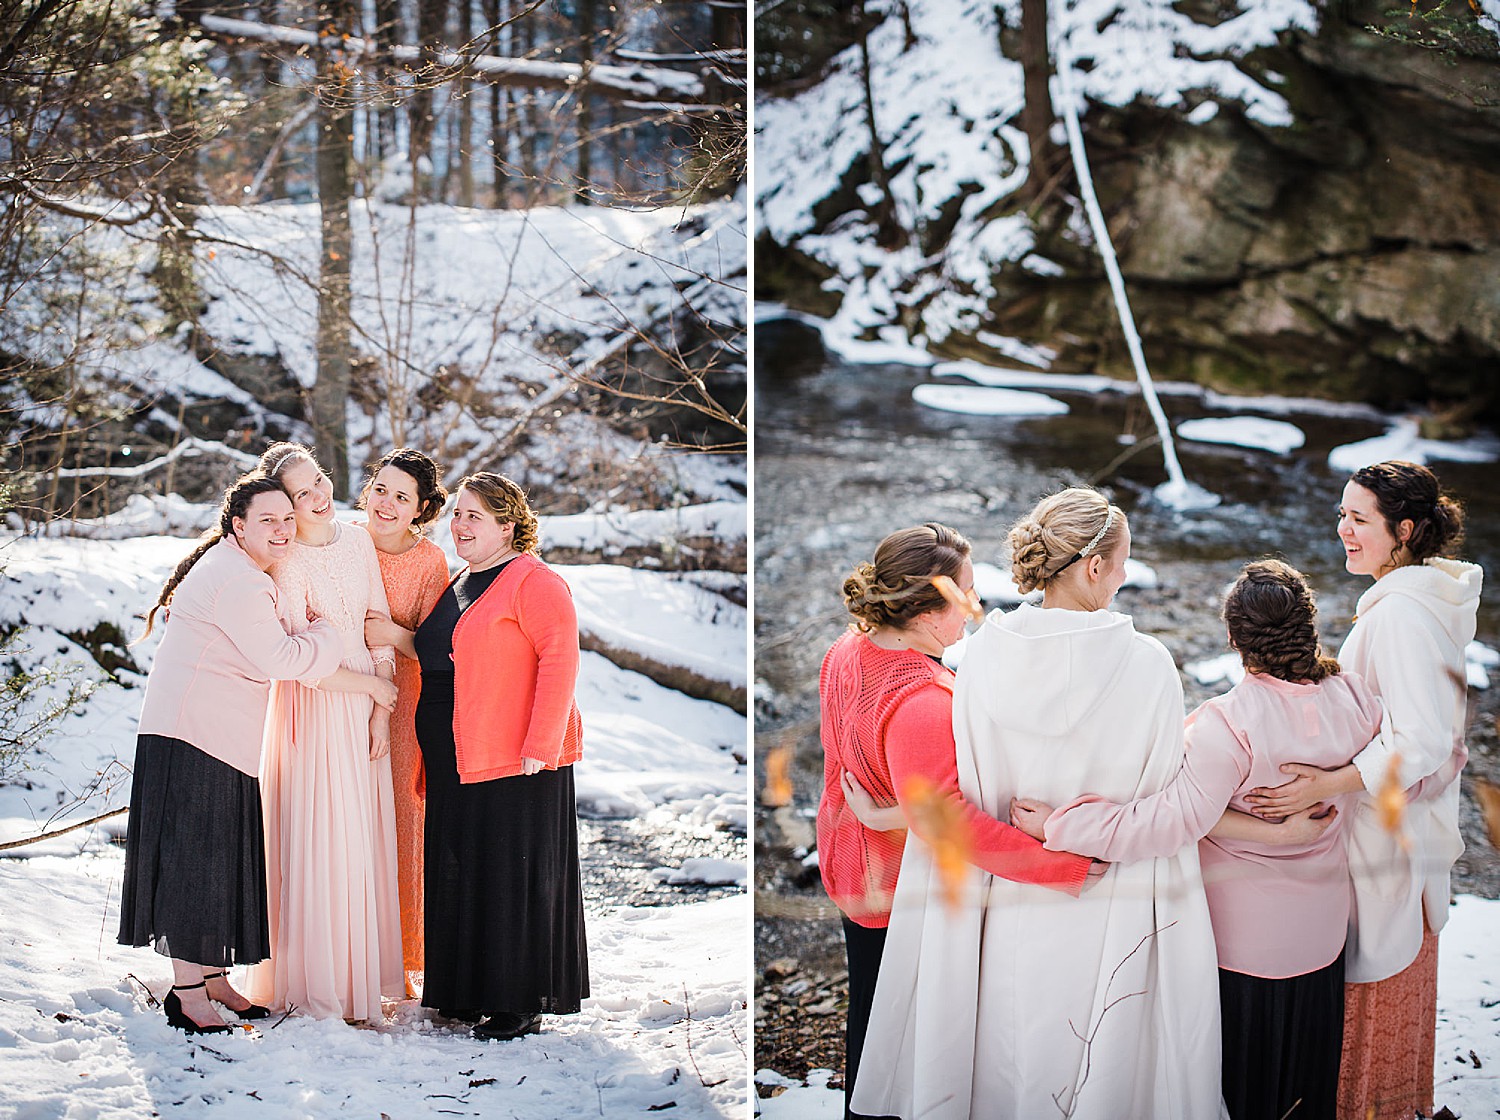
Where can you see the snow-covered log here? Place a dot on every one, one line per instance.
(640, 82)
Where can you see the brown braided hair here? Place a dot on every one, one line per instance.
(1410, 492)
(507, 502)
(431, 496)
(897, 587)
(1273, 623)
(236, 503)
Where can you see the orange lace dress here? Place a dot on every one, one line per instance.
(414, 581)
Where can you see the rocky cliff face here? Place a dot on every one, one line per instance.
(1354, 253)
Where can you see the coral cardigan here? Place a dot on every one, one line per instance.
(515, 664)
(887, 717)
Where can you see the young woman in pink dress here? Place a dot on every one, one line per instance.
(403, 495)
(326, 773)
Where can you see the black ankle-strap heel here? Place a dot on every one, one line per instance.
(177, 1017)
(254, 1011)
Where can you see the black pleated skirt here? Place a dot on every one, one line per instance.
(1282, 1043)
(195, 858)
(503, 919)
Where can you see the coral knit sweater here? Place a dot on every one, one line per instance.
(888, 718)
(515, 665)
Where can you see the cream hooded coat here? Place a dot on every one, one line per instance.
(983, 1005)
(1408, 644)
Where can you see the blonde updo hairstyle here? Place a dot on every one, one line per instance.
(507, 502)
(897, 586)
(1058, 532)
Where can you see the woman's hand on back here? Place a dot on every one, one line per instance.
(1030, 816)
(1310, 787)
(868, 811)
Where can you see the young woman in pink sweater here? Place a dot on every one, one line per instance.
(195, 863)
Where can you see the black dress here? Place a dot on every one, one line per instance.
(503, 899)
(195, 858)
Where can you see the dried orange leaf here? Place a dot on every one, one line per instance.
(966, 600)
(1390, 802)
(778, 787)
(939, 822)
(1489, 804)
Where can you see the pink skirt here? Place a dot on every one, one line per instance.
(1390, 1030)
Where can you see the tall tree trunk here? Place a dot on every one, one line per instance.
(584, 118)
(888, 230)
(499, 103)
(465, 110)
(432, 19)
(1037, 115)
(335, 347)
(387, 34)
(526, 123)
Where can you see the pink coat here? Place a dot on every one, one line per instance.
(1277, 911)
(221, 648)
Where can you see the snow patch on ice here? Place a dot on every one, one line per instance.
(1245, 431)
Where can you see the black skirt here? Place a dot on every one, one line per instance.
(1282, 1043)
(195, 858)
(503, 899)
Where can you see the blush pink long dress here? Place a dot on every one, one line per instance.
(329, 811)
(414, 582)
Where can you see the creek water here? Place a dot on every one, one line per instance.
(844, 456)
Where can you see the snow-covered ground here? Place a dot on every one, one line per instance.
(666, 1026)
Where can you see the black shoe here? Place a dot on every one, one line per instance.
(462, 1014)
(254, 1011)
(504, 1025)
(178, 1018)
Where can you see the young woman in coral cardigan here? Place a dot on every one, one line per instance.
(887, 728)
(499, 733)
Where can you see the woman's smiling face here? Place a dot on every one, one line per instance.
(267, 528)
(479, 537)
(392, 501)
(1369, 547)
(311, 492)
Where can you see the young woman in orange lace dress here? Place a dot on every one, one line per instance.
(403, 494)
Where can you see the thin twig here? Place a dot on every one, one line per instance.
(61, 831)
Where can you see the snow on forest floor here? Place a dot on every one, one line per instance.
(666, 1025)
(1468, 1032)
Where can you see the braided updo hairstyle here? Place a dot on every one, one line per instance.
(1273, 623)
(431, 495)
(506, 501)
(236, 503)
(1056, 533)
(897, 586)
(1408, 491)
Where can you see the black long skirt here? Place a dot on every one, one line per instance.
(1282, 1043)
(195, 858)
(863, 948)
(503, 901)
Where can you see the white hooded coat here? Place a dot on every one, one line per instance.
(1408, 644)
(1016, 1001)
